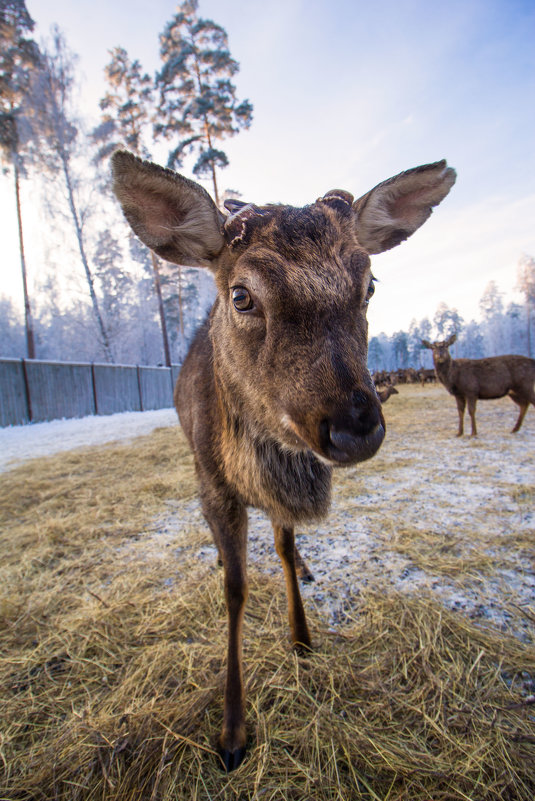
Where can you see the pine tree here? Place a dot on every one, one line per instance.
(115, 283)
(127, 106)
(198, 105)
(18, 55)
(526, 284)
(491, 308)
(447, 321)
(127, 111)
(491, 302)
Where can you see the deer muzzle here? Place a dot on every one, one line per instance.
(353, 434)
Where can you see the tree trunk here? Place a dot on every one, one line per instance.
(158, 287)
(180, 312)
(529, 327)
(214, 180)
(216, 193)
(89, 276)
(30, 341)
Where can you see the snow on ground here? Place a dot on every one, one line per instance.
(469, 498)
(467, 493)
(19, 443)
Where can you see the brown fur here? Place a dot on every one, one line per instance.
(470, 380)
(273, 396)
(426, 376)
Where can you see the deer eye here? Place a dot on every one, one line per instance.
(241, 299)
(371, 290)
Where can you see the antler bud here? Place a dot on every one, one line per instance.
(338, 199)
(238, 224)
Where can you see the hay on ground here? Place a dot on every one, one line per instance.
(112, 661)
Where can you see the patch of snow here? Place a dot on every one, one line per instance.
(20, 443)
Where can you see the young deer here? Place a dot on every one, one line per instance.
(385, 393)
(274, 391)
(484, 379)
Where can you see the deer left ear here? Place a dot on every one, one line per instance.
(396, 208)
(172, 215)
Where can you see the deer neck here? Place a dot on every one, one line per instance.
(444, 370)
(289, 485)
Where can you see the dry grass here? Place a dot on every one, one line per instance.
(111, 671)
(453, 509)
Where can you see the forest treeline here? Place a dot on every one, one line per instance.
(501, 329)
(116, 301)
(129, 305)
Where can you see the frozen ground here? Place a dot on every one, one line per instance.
(466, 503)
(18, 443)
(431, 514)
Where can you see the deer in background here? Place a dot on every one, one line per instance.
(384, 394)
(470, 380)
(275, 390)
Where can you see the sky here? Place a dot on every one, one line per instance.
(347, 93)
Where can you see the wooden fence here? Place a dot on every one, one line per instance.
(32, 391)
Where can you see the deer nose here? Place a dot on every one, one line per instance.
(354, 433)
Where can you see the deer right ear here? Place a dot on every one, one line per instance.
(172, 215)
(396, 208)
(427, 344)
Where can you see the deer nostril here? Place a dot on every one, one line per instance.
(325, 433)
(364, 415)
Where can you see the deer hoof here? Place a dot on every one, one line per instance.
(306, 576)
(302, 649)
(232, 759)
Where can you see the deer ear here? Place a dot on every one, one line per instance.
(427, 344)
(172, 215)
(396, 208)
(450, 340)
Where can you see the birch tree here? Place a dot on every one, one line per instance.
(59, 133)
(19, 54)
(127, 114)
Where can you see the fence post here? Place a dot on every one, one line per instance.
(139, 388)
(27, 390)
(94, 386)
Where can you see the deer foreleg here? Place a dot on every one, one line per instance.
(285, 545)
(231, 541)
(461, 404)
(472, 412)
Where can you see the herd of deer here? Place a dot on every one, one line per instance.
(404, 375)
(275, 389)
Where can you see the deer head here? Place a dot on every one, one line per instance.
(288, 328)
(441, 354)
